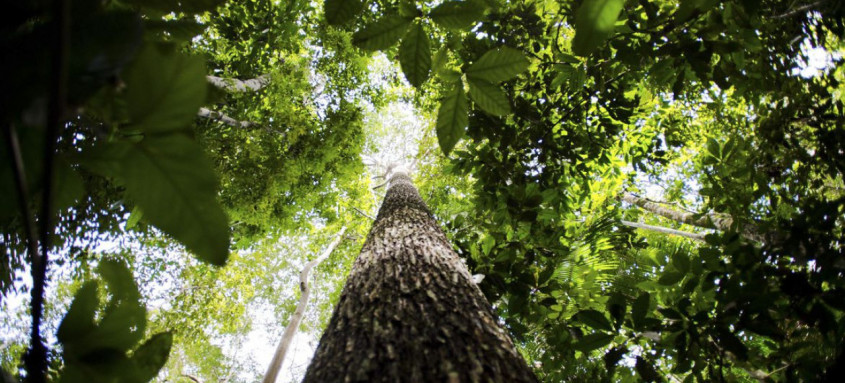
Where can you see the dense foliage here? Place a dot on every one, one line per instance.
(568, 136)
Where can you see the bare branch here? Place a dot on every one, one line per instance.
(235, 86)
(214, 115)
(362, 213)
(290, 330)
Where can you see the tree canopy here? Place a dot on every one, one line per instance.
(652, 190)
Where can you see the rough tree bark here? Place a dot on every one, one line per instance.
(410, 312)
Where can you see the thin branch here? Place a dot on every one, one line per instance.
(666, 230)
(803, 8)
(235, 86)
(362, 213)
(279, 357)
(191, 377)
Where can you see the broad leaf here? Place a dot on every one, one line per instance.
(340, 12)
(498, 65)
(639, 309)
(164, 90)
(452, 118)
(594, 23)
(415, 55)
(670, 277)
(457, 14)
(593, 319)
(593, 341)
(489, 97)
(174, 184)
(382, 34)
(79, 319)
(151, 356)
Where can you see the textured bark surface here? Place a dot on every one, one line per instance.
(409, 311)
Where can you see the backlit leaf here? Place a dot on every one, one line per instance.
(593, 341)
(593, 319)
(382, 34)
(457, 14)
(340, 12)
(451, 118)
(594, 23)
(172, 181)
(164, 90)
(415, 55)
(489, 97)
(497, 65)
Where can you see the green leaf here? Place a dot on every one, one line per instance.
(670, 278)
(489, 97)
(175, 185)
(594, 23)
(487, 244)
(594, 319)
(732, 343)
(382, 34)
(152, 355)
(79, 319)
(452, 118)
(646, 370)
(639, 309)
(164, 90)
(339, 12)
(443, 69)
(457, 14)
(498, 65)
(593, 341)
(134, 217)
(415, 55)
(681, 261)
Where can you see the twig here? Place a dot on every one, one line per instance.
(362, 213)
(666, 230)
(802, 8)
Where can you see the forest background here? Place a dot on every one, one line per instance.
(652, 190)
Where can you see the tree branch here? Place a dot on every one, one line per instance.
(666, 230)
(214, 115)
(279, 357)
(236, 86)
(707, 221)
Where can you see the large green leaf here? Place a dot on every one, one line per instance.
(497, 65)
(593, 341)
(452, 118)
(382, 34)
(79, 319)
(593, 319)
(415, 55)
(164, 90)
(489, 97)
(151, 356)
(340, 12)
(639, 309)
(594, 23)
(175, 185)
(457, 14)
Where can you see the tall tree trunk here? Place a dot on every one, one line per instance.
(410, 312)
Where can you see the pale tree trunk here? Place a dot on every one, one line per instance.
(279, 357)
(410, 312)
(708, 221)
